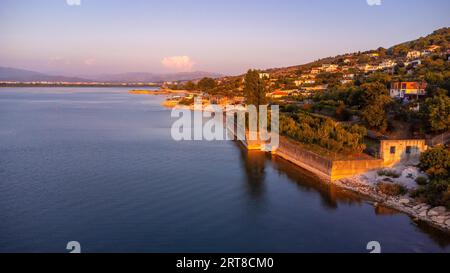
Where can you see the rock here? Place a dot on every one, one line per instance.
(432, 213)
(424, 208)
(440, 210)
(447, 222)
(437, 211)
(404, 201)
(423, 213)
(439, 221)
(417, 207)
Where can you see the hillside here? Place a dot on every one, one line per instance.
(153, 77)
(21, 75)
(440, 37)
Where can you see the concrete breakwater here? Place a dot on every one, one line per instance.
(325, 168)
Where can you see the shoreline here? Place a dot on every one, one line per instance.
(437, 217)
(365, 185)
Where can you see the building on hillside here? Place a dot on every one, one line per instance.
(407, 89)
(265, 76)
(345, 68)
(321, 87)
(413, 63)
(309, 81)
(316, 70)
(280, 94)
(387, 64)
(346, 81)
(347, 61)
(414, 54)
(349, 76)
(432, 48)
(366, 68)
(330, 67)
(308, 76)
(298, 82)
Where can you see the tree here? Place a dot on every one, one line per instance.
(206, 84)
(436, 112)
(376, 100)
(383, 78)
(190, 86)
(436, 163)
(255, 89)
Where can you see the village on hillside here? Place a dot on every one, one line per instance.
(382, 114)
(404, 79)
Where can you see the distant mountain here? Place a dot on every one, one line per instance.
(153, 77)
(14, 74)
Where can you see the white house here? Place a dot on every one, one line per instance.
(414, 54)
(388, 64)
(264, 75)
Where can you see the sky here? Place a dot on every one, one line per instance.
(93, 37)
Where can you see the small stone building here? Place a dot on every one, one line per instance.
(396, 151)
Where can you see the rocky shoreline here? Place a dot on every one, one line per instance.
(438, 217)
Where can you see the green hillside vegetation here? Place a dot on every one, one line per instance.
(323, 132)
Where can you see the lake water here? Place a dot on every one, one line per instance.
(99, 166)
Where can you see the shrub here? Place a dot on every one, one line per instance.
(436, 162)
(421, 181)
(324, 132)
(391, 189)
(435, 193)
(419, 193)
(388, 173)
(438, 193)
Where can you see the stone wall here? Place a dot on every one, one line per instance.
(391, 152)
(325, 168)
(440, 139)
(308, 160)
(347, 168)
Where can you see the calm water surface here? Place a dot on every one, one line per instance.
(98, 166)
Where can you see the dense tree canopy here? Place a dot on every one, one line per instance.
(436, 112)
(323, 132)
(375, 101)
(206, 84)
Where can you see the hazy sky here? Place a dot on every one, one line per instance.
(225, 36)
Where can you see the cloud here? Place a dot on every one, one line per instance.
(90, 61)
(73, 2)
(179, 63)
(374, 2)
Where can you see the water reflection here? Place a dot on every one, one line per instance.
(331, 196)
(254, 163)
